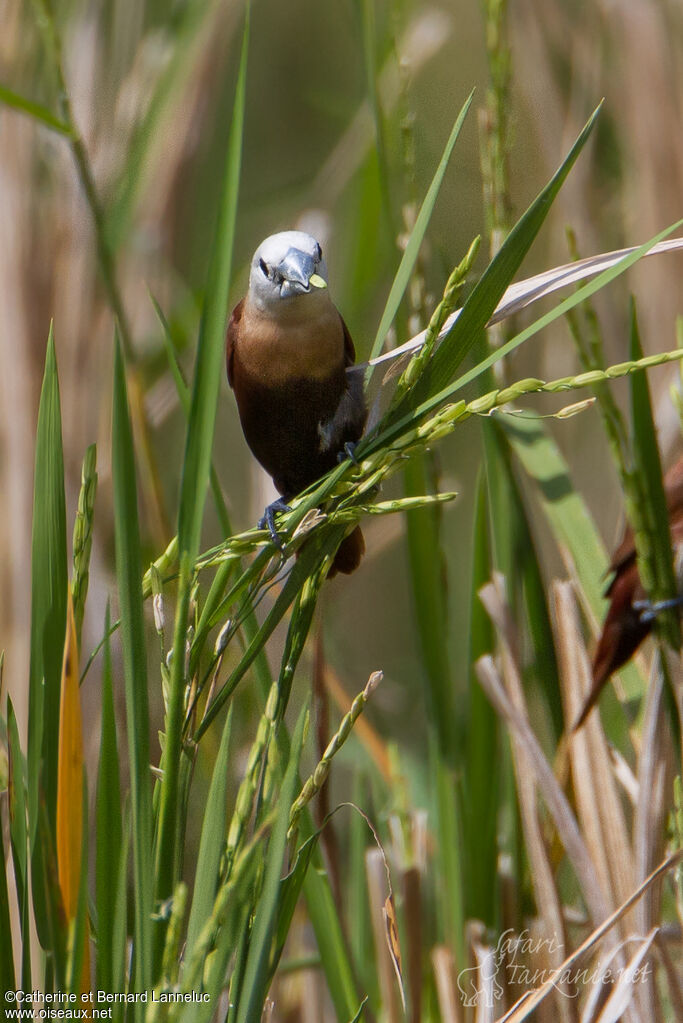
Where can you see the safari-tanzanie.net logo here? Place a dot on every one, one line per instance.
(523, 962)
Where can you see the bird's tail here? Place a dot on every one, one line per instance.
(349, 554)
(622, 634)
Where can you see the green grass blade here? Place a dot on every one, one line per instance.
(80, 945)
(229, 946)
(407, 264)
(212, 842)
(183, 393)
(7, 976)
(290, 889)
(108, 824)
(225, 935)
(304, 566)
(19, 839)
(82, 536)
(655, 541)
(369, 36)
(565, 509)
(49, 583)
(224, 572)
(358, 1015)
(358, 914)
(516, 557)
(448, 812)
(44, 869)
(195, 474)
(49, 587)
(430, 603)
(580, 295)
(187, 23)
(537, 614)
(576, 535)
(34, 110)
(6, 940)
(240, 959)
(328, 932)
(489, 290)
(119, 942)
(481, 778)
(259, 966)
(129, 575)
(212, 332)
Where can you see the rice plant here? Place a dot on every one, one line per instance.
(207, 812)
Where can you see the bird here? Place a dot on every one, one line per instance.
(630, 614)
(288, 350)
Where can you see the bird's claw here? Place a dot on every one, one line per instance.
(348, 451)
(647, 611)
(267, 521)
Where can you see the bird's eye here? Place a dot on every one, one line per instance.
(264, 268)
(318, 253)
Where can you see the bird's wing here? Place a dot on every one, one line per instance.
(622, 633)
(626, 551)
(349, 347)
(231, 336)
(622, 556)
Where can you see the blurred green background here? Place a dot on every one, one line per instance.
(152, 86)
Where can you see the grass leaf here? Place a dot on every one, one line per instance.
(259, 966)
(6, 941)
(412, 250)
(119, 942)
(212, 332)
(49, 588)
(309, 557)
(183, 393)
(129, 576)
(577, 538)
(655, 542)
(195, 474)
(79, 951)
(481, 782)
(108, 848)
(430, 602)
(187, 23)
(82, 536)
(212, 842)
(486, 294)
(70, 775)
(35, 110)
(329, 935)
(18, 832)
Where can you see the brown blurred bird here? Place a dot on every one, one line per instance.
(630, 615)
(288, 350)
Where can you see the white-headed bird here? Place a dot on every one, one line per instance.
(288, 351)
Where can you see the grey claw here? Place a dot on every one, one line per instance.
(349, 451)
(268, 520)
(647, 611)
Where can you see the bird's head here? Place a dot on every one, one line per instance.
(287, 266)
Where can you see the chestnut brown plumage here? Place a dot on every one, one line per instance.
(625, 627)
(288, 350)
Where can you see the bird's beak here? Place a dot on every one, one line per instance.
(297, 271)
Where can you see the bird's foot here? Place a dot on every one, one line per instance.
(268, 519)
(348, 451)
(648, 611)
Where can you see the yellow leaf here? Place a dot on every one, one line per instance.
(70, 786)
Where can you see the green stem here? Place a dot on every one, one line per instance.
(105, 255)
(167, 831)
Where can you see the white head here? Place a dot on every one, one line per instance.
(286, 267)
